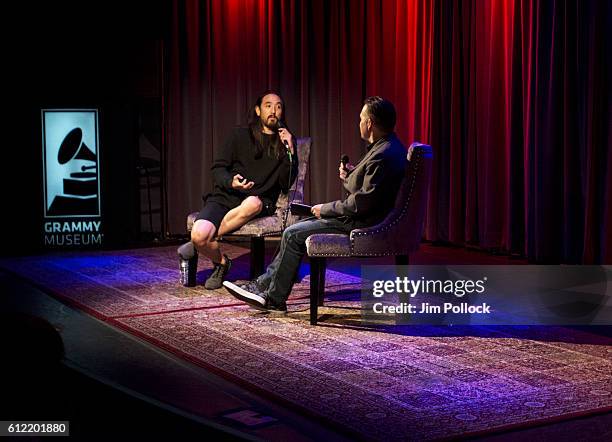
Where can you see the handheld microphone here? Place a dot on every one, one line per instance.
(281, 125)
(344, 159)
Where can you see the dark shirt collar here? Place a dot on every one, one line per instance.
(380, 140)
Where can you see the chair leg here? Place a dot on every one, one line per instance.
(322, 267)
(401, 271)
(258, 252)
(315, 289)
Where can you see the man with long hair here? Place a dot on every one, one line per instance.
(250, 170)
(371, 188)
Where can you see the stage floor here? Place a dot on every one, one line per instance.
(421, 383)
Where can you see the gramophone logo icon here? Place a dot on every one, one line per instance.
(70, 140)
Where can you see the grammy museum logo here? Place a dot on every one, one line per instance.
(72, 215)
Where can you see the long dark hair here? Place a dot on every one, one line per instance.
(275, 147)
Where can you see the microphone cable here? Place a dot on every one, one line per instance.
(282, 125)
(289, 200)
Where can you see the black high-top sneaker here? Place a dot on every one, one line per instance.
(258, 299)
(215, 280)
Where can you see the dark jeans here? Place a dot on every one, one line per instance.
(281, 273)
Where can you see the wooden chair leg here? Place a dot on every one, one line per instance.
(258, 253)
(315, 281)
(322, 267)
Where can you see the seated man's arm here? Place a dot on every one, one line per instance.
(223, 163)
(364, 201)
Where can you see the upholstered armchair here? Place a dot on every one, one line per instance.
(259, 228)
(397, 235)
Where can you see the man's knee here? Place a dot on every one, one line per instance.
(202, 233)
(291, 231)
(251, 206)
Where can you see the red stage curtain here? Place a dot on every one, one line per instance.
(512, 94)
(521, 123)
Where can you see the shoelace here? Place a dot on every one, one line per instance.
(218, 270)
(251, 287)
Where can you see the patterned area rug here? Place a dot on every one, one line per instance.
(380, 383)
(141, 281)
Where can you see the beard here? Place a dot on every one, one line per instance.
(271, 123)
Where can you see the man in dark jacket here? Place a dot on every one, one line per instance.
(252, 167)
(371, 186)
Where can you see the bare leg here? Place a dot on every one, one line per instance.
(202, 236)
(203, 233)
(239, 216)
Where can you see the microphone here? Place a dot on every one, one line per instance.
(281, 125)
(344, 159)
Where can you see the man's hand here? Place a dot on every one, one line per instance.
(344, 170)
(285, 135)
(240, 183)
(316, 210)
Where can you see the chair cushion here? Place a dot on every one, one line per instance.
(264, 226)
(328, 244)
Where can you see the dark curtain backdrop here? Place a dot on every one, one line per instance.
(513, 95)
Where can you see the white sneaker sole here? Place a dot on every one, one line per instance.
(248, 297)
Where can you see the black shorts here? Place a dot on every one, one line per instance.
(215, 212)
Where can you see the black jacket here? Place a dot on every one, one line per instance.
(372, 186)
